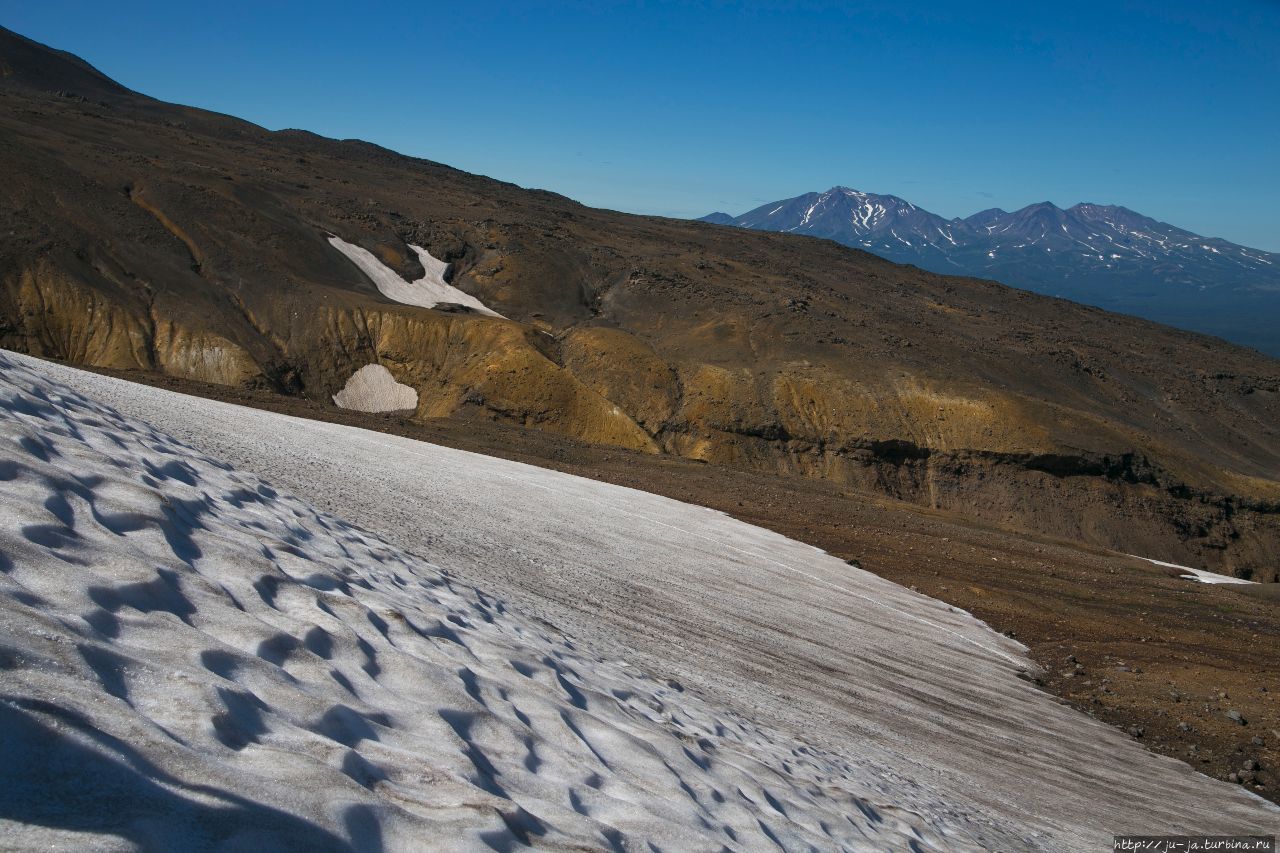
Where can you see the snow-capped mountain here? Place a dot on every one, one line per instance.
(1097, 238)
(1105, 255)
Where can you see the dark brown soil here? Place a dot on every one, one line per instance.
(1117, 637)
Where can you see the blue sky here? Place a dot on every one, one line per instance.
(1171, 108)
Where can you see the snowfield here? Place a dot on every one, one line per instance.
(222, 628)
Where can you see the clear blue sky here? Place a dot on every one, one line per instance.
(1171, 108)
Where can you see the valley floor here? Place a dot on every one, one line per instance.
(286, 630)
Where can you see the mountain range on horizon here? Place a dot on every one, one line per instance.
(1098, 254)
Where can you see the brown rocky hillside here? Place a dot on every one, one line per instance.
(141, 235)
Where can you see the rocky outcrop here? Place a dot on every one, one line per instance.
(625, 370)
(48, 313)
(201, 355)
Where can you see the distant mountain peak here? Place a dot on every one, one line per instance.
(985, 215)
(1103, 254)
(850, 192)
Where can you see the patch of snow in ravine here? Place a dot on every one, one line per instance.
(372, 388)
(427, 292)
(195, 658)
(1197, 574)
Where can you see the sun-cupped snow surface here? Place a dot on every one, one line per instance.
(427, 292)
(402, 646)
(1198, 574)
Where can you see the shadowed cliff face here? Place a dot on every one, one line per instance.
(139, 235)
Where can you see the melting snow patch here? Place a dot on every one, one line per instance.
(372, 388)
(427, 292)
(1197, 574)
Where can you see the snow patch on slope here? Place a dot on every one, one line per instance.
(1197, 574)
(372, 388)
(427, 292)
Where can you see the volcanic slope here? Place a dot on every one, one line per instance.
(141, 235)
(197, 657)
